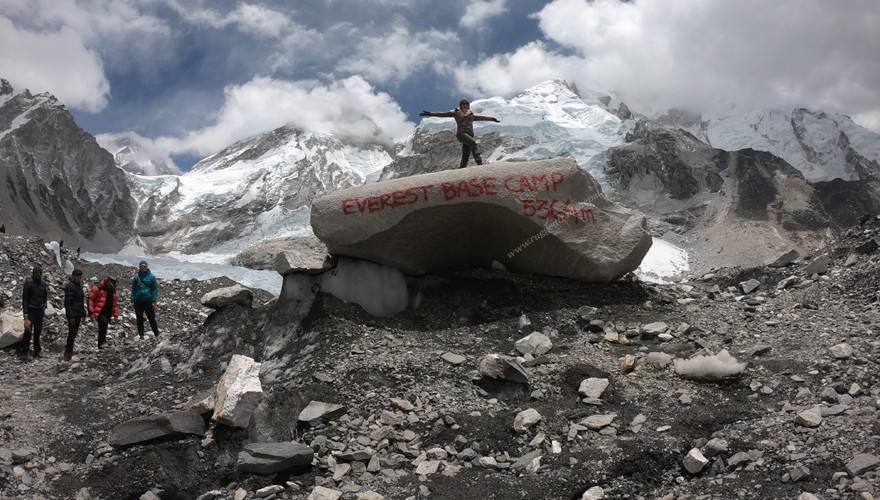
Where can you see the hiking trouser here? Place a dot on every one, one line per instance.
(72, 331)
(468, 147)
(103, 321)
(145, 307)
(35, 315)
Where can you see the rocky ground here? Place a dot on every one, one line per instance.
(421, 421)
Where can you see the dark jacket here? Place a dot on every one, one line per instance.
(144, 287)
(74, 300)
(464, 120)
(34, 295)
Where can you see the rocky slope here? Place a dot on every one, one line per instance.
(420, 420)
(822, 146)
(57, 181)
(730, 207)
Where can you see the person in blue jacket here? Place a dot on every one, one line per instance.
(144, 295)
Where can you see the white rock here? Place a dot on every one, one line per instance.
(593, 387)
(810, 418)
(238, 392)
(228, 296)
(596, 422)
(428, 467)
(535, 344)
(269, 490)
(841, 351)
(695, 461)
(594, 493)
(11, 328)
(322, 493)
(655, 328)
(525, 420)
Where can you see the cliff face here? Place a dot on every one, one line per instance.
(57, 182)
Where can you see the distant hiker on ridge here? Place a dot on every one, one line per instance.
(464, 132)
(144, 294)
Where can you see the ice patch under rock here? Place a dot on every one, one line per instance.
(664, 263)
(380, 290)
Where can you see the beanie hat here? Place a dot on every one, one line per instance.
(76, 272)
(142, 263)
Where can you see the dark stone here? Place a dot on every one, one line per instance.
(867, 247)
(162, 426)
(269, 458)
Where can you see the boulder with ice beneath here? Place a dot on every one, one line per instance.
(544, 217)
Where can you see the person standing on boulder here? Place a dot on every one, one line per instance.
(74, 308)
(34, 298)
(464, 132)
(144, 295)
(103, 306)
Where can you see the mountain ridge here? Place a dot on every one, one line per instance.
(260, 188)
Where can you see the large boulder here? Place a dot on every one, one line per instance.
(11, 329)
(538, 217)
(305, 254)
(155, 427)
(238, 392)
(228, 296)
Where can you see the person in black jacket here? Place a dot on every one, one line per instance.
(34, 297)
(74, 307)
(464, 129)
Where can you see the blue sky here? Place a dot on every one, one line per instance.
(190, 77)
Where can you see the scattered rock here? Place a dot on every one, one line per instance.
(156, 427)
(525, 420)
(318, 411)
(269, 458)
(238, 392)
(229, 296)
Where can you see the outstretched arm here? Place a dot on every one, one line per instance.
(482, 118)
(438, 114)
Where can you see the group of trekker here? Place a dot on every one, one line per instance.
(102, 306)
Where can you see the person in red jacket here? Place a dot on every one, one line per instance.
(103, 306)
(464, 130)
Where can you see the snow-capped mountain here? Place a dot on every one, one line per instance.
(822, 146)
(58, 182)
(547, 120)
(261, 188)
(256, 189)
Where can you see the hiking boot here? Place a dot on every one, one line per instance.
(37, 354)
(68, 356)
(101, 345)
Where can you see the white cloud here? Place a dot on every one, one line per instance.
(478, 12)
(63, 46)
(711, 55)
(349, 108)
(57, 62)
(142, 150)
(398, 54)
(256, 20)
(508, 74)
